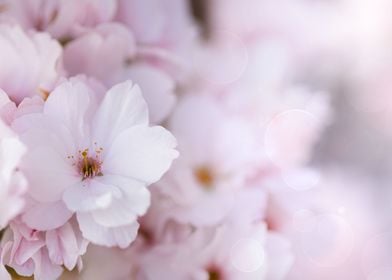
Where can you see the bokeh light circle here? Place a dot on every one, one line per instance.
(287, 135)
(304, 220)
(329, 242)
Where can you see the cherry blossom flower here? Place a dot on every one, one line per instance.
(98, 157)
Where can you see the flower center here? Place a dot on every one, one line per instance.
(88, 166)
(214, 273)
(204, 176)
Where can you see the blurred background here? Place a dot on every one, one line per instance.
(341, 47)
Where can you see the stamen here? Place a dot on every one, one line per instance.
(88, 166)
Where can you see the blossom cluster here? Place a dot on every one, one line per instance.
(136, 146)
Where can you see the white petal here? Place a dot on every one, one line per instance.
(123, 211)
(47, 216)
(122, 108)
(48, 173)
(134, 191)
(90, 196)
(141, 153)
(114, 216)
(117, 236)
(38, 129)
(70, 104)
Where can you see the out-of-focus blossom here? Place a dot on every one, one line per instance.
(62, 19)
(291, 111)
(158, 89)
(173, 25)
(217, 153)
(12, 182)
(92, 54)
(33, 62)
(226, 252)
(97, 158)
(43, 254)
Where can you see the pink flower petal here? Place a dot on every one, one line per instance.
(47, 216)
(122, 108)
(142, 153)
